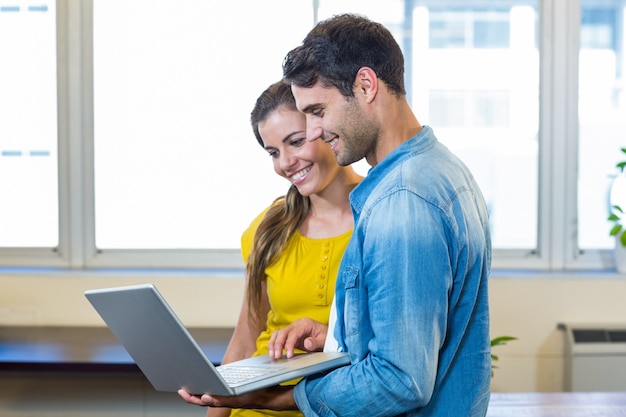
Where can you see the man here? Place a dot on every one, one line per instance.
(411, 296)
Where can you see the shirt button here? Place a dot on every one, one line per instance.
(324, 258)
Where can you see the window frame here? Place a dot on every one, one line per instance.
(559, 29)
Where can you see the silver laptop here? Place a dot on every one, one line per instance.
(171, 359)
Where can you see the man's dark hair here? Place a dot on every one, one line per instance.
(336, 48)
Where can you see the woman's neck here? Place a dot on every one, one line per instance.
(330, 213)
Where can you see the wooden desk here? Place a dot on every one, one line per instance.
(566, 404)
(84, 348)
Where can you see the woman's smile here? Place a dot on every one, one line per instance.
(299, 176)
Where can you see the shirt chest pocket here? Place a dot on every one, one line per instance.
(353, 300)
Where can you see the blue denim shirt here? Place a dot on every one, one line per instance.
(412, 307)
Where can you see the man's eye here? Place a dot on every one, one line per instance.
(317, 112)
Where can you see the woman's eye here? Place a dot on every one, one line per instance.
(273, 154)
(297, 142)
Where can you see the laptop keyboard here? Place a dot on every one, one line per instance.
(238, 374)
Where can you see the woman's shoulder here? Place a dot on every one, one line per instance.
(254, 224)
(247, 236)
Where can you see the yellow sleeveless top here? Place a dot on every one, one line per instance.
(300, 284)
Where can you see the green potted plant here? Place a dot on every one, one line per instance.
(618, 230)
(497, 341)
(617, 219)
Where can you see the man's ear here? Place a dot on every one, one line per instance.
(366, 84)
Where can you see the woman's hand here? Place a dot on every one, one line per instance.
(274, 398)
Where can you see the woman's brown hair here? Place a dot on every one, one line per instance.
(284, 216)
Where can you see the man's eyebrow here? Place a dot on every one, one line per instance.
(310, 108)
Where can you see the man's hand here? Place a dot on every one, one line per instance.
(274, 398)
(305, 334)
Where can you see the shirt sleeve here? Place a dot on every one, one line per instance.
(247, 237)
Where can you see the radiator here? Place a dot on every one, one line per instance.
(595, 357)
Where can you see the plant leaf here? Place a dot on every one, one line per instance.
(622, 238)
(615, 230)
(501, 340)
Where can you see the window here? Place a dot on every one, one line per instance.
(602, 117)
(468, 27)
(477, 84)
(469, 108)
(176, 163)
(145, 158)
(28, 129)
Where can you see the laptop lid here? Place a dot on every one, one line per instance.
(171, 359)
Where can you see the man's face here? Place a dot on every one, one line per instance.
(339, 121)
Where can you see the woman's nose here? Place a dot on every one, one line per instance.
(286, 160)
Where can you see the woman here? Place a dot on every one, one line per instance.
(292, 249)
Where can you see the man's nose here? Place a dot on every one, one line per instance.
(313, 132)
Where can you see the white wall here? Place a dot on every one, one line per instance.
(57, 299)
(531, 308)
(525, 305)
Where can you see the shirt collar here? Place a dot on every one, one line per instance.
(423, 140)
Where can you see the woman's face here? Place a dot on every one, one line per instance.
(309, 165)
